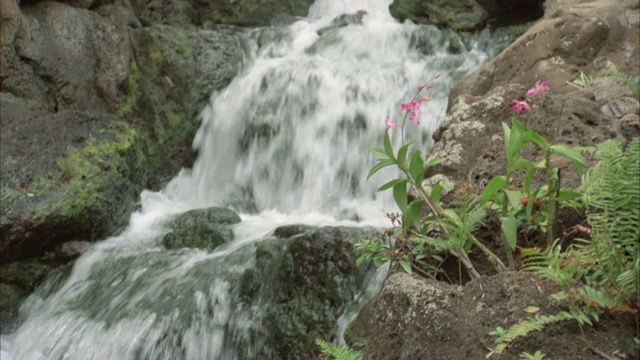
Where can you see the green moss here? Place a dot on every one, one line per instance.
(132, 87)
(183, 48)
(7, 195)
(173, 121)
(155, 56)
(299, 7)
(82, 186)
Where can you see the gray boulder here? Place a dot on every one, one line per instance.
(202, 228)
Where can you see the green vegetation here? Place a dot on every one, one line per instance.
(85, 181)
(599, 273)
(333, 351)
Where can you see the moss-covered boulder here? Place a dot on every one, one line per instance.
(455, 14)
(309, 278)
(173, 73)
(87, 192)
(10, 298)
(202, 228)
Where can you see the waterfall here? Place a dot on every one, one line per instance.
(286, 142)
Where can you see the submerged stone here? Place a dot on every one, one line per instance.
(201, 228)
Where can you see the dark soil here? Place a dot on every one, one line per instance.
(417, 318)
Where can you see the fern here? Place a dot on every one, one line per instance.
(338, 352)
(602, 272)
(538, 322)
(632, 82)
(611, 193)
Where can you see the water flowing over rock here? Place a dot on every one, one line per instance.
(203, 229)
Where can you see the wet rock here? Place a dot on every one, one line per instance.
(248, 12)
(10, 298)
(71, 249)
(203, 229)
(512, 12)
(308, 275)
(343, 20)
(26, 274)
(458, 15)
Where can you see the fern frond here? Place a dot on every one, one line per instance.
(338, 352)
(529, 325)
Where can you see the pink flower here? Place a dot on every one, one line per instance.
(424, 98)
(410, 106)
(425, 87)
(415, 117)
(538, 88)
(389, 123)
(519, 105)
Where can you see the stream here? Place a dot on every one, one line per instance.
(285, 143)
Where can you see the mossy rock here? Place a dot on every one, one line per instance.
(172, 74)
(87, 194)
(456, 14)
(308, 275)
(202, 228)
(10, 298)
(250, 12)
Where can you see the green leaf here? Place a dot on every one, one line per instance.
(514, 197)
(507, 137)
(378, 151)
(400, 195)
(435, 193)
(518, 138)
(416, 167)
(491, 189)
(538, 140)
(528, 177)
(388, 149)
(412, 215)
(382, 163)
(360, 260)
(576, 158)
(531, 199)
(406, 266)
(566, 195)
(518, 164)
(377, 262)
(432, 162)
(402, 155)
(391, 184)
(510, 230)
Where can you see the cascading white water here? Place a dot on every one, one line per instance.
(285, 142)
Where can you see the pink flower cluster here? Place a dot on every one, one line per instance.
(539, 88)
(412, 108)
